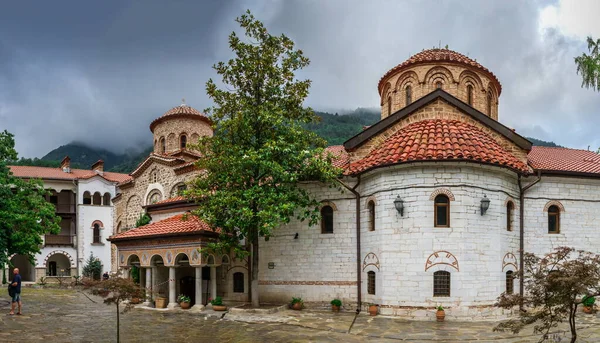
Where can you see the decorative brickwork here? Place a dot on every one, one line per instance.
(73, 265)
(441, 257)
(554, 203)
(371, 260)
(444, 191)
(509, 260)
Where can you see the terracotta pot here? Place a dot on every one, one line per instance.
(160, 302)
(372, 310)
(184, 305)
(440, 315)
(335, 308)
(588, 309)
(135, 300)
(297, 306)
(219, 307)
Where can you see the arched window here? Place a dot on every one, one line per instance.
(106, 199)
(509, 214)
(154, 198)
(163, 145)
(371, 207)
(553, 219)
(441, 284)
(238, 282)
(96, 233)
(182, 141)
(371, 282)
(442, 211)
(408, 95)
(97, 198)
(438, 85)
(509, 282)
(389, 103)
(470, 95)
(87, 198)
(327, 219)
(489, 104)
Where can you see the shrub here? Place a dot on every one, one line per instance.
(336, 302)
(296, 300)
(216, 301)
(182, 298)
(588, 301)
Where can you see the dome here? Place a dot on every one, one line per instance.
(444, 56)
(182, 110)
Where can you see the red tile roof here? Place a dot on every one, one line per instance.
(440, 55)
(176, 225)
(58, 173)
(340, 156)
(563, 159)
(438, 140)
(170, 200)
(181, 110)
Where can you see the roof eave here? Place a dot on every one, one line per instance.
(515, 170)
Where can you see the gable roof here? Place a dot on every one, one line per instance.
(383, 124)
(438, 140)
(181, 224)
(563, 160)
(59, 174)
(159, 158)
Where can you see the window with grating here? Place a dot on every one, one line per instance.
(509, 282)
(371, 282)
(441, 284)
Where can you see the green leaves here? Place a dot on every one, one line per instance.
(589, 65)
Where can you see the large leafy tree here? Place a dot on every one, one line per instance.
(589, 65)
(25, 215)
(260, 152)
(555, 285)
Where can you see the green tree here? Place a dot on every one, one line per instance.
(555, 286)
(25, 215)
(589, 65)
(92, 268)
(260, 151)
(144, 219)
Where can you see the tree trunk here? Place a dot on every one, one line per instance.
(118, 337)
(572, 324)
(254, 283)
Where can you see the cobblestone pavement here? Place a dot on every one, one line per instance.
(52, 315)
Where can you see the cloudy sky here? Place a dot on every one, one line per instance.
(100, 72)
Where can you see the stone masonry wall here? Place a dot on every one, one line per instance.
(172, 129)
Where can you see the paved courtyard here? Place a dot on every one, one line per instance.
(52, 315)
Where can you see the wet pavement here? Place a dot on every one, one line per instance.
(59, 315)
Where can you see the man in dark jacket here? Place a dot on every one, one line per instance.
(16, 299)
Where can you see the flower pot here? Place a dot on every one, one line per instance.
(372, 310)
(135, 300)
(185, 305)
(440, 315)
(335, 308)
(588, 309)
(160, 302)
(297, 306)
(219, 307)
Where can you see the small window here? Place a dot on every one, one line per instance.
(87, 198)
(509, 214)
(553, 219)
(389, 103)
(154, 198)
(54, 199)
(163, 145)
(371, 206)
(470, 95)
(183, 141)
(489, 104)
(238, 282)
(438, 85)
(442, 211)
(371, 282)
(441, 284)
(106, 199)
(408, 95)
(327, 219)
(97, 199)
(509, 282)
(96, 233)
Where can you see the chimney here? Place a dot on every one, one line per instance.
(98, 167)
(65, 164)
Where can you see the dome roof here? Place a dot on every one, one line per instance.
(440, 55)
(182, 110)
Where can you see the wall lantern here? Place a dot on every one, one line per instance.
(399, 204)
(485, 204)
(296, 235)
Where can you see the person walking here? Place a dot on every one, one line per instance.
(16, 299)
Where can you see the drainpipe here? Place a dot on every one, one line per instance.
(522, 233)
(358, 254)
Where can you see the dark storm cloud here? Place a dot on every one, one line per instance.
(100, 72)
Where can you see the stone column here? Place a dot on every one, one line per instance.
(153, 287)
(148, 286)
(213, 282)
(142, 278)
(198, 288)
(172, 289)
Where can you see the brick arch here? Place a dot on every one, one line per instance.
(442, 191)
(369, 199)
(371, 260)
(467, 75)
(508, 260)
(405, 78)
(510, 199)
(385, 92)
(554, 202)
(328, 203)
(52, 253)
(178, 255)
(97, 222)
(443, 258)
(437, 71)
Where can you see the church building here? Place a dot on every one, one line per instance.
(440, 199)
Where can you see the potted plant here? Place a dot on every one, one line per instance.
(588, 304)
(335, 305)
(440, 314)
(372, 309)
(184, 301)
(217, 304)
(160, 301)
(297, 304)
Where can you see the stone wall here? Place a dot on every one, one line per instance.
(172, 129)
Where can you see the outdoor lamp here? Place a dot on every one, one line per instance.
(399, 204)
(485, 204)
